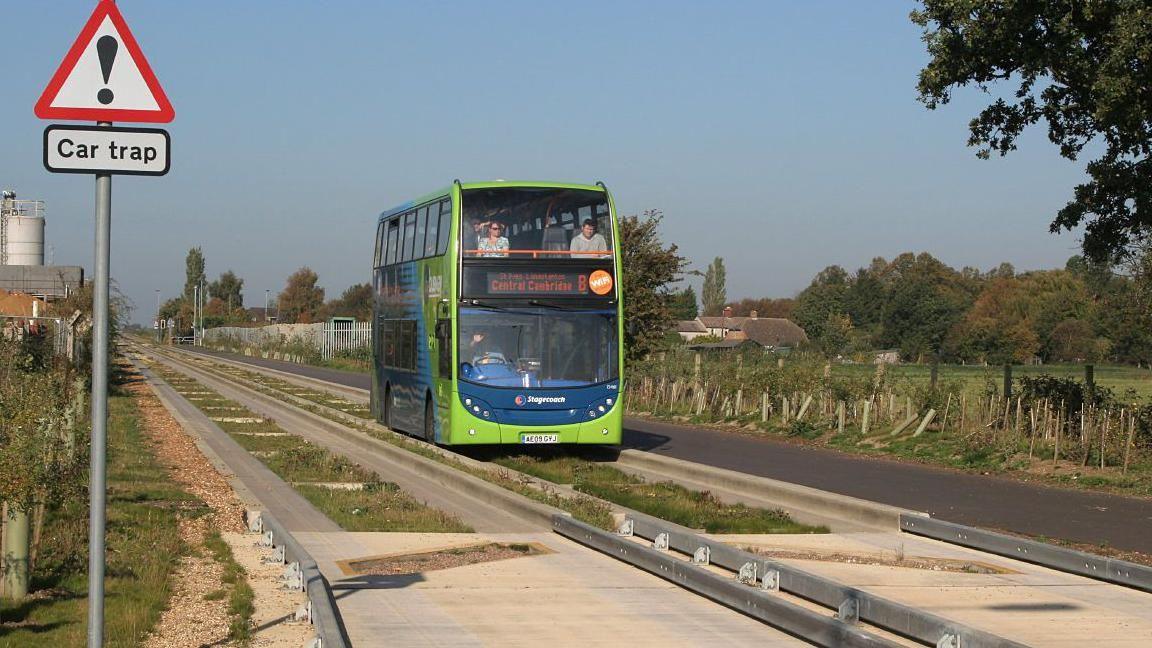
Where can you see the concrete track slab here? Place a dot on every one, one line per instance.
(573, 596)
(1027, 603)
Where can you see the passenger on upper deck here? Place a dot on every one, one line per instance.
(588, 240)
(495, 244)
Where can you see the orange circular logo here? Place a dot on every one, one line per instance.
(600, 282)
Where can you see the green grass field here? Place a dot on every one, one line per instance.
(974, 378)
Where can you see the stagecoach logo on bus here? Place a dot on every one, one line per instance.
(433, 284)
(521, 400)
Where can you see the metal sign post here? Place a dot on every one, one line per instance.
(104, 77)
(98, 481)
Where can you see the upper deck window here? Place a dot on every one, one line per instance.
(525, 222)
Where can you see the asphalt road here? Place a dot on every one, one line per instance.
(977, 500)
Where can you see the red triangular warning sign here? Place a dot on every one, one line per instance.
(105, 77)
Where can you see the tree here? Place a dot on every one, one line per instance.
(925, 300)
(714, 293)
(302, 299)
(355, 301)
(228, 289)
(1085, 69)
(821, 302)
(763, 307)
(648, 268)
(998, 328)
(864, 299)
(193, 272)
(683, 304)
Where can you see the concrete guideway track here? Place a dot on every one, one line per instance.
(1075, 611)
(568, 596)
(991, 502)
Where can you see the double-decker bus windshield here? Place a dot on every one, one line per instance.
(537, 347)
(526, 222)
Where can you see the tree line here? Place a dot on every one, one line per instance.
(301, 301)
(1084, 312)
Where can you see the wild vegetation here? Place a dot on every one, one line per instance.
(143, 542)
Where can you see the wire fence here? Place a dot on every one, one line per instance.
(324, 340)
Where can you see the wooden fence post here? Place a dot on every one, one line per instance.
(925, 423)
(804, 407)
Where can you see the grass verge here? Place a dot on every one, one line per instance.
(665, 500)
(142, 542)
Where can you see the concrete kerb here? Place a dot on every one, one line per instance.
(790, 497)
(323, 613)
(445, 475)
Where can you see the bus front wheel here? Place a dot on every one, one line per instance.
(386, 408)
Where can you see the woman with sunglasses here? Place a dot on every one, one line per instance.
(495, 244)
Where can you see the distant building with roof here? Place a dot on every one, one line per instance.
(767, 332)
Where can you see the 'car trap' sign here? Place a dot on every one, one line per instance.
(103, 149)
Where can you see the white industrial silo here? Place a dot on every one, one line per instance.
(22, 231)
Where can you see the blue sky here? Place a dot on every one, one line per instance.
(782, 136)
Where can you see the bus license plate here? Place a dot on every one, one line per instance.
(539, 438)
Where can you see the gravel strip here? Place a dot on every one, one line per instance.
(190, 620)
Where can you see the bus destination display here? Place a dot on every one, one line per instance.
(538, 283)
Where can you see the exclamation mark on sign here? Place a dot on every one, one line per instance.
(106, 49)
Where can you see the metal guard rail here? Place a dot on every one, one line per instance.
(850, 603)
(1111, 570)
(761, 605)
(325, 617)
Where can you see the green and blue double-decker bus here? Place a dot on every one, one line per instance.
(497, 315)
